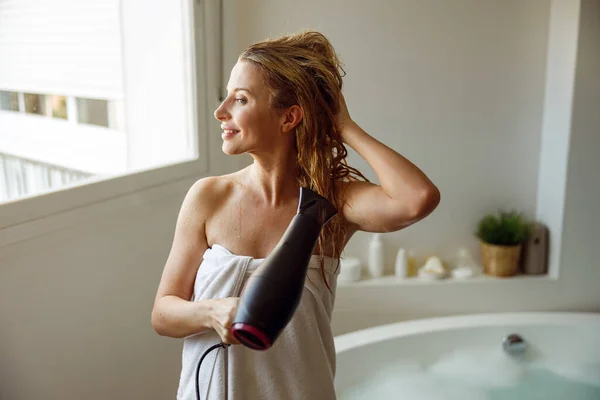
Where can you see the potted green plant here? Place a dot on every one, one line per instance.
(501, 239)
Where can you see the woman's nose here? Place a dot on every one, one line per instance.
(221, 113)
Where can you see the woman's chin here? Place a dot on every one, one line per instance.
(229, 149)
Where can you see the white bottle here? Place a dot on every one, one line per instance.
(465, 266)
(401, 267)
(376, 263)
(350, 269)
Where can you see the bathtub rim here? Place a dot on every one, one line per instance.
(376, 334)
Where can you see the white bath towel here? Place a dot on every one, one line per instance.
(299, 366)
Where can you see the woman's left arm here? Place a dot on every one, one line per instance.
(405, 194)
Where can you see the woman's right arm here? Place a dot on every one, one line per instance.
(173, 314)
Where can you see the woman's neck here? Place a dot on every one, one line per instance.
(275, 180)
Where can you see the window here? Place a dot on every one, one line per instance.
(94, 91)
(94, 112)
(35, 103)
(88, 111)
(59, 106)
(9, 101)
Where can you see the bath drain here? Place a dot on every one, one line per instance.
(514, 344)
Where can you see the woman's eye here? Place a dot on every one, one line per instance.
(241, 101)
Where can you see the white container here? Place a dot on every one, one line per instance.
(376, 263)
(350, 270)
(465, 266)
(401, 266)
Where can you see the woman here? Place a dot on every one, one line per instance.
(285, 108)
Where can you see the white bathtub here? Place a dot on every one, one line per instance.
(463, 358)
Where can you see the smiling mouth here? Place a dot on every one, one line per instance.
(229, 133)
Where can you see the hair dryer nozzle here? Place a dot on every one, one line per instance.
(250, 336)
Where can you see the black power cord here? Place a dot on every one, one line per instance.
(216, 346)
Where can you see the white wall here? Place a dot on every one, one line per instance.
(457, 87)
(576, 287)
(76, 317)
(75, 304)
(556, 126)
(580, 270)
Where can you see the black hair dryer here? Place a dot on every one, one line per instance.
(273, 291)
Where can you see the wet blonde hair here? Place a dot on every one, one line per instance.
(303, 69)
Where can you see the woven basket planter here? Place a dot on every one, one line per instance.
(501, 261)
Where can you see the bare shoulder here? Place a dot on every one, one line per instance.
(207, 194)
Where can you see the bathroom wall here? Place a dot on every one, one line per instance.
(75, 304)
(457, 87)
(580, 270)
(576, 285)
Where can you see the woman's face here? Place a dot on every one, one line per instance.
(248, 122)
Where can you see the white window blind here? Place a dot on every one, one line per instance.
(67, 47)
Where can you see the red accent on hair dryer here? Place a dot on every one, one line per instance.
(273, 291)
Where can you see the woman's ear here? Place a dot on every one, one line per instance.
(291, 118)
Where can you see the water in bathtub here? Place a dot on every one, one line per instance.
(481, 374)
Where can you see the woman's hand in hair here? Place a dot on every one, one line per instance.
(405, 194)
(343, 119)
